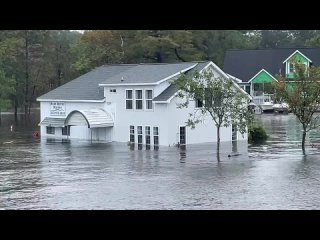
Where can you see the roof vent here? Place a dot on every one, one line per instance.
(122, 79)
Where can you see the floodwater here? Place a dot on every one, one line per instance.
(44, 174)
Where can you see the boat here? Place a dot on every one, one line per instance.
(281, 108)
(265, 102)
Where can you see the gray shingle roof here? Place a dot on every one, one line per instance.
(166, 94)
(171, 90)
(148, 73)
(244, 64)
(86, 87)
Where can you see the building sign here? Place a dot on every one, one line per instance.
(57, 109)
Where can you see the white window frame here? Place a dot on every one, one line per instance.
(148, 99)
(307, 65)
(54, 130)
(145, 134)
(134, 137)
(153, 135)
(139, 134)
(185, 133)
(135, 100)
(125, 95)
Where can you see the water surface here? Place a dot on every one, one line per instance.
(44, 174)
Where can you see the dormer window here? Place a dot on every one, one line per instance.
(299, 57)
(291, 68)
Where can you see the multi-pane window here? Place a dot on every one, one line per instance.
(139, 134)
(132, 134)
(129, 99)
(66, 130)
(291, 68)
(139, 103)
(50, 130)
(148, 133)
(113, 90)
(148, 99)
(182, 135)
(156, 136)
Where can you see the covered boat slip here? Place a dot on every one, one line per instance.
(91, 124)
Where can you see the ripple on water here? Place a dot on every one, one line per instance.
(41, 174)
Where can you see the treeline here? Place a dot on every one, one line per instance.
(33, 62)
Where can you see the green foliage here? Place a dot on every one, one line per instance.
(257, 133)
(303, 97)
(97, 48)
(222, 100)
(40, 60)
(6, 89)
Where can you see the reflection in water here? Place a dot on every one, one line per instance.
(131, 145)
(73, 174)
(234, 147)
(183, 155)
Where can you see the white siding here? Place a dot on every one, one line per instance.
(78, 132)
(77, 119)
(165, 116)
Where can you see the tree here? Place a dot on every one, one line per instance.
(96, 48)
(6, 89)
(302, 96)
(221, 99)
(214, 43)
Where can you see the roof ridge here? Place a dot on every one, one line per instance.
(166, 63)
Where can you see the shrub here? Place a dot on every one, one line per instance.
(257, 133)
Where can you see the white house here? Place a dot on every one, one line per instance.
(128, 102)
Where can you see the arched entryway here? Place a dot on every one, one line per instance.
(90, 124)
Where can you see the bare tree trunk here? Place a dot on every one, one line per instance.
(159, 57)
(31, 98)
(178, 55)
(303, 141)
(26, 74)
(59, 70)
(218, 143)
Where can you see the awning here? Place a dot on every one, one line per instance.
(53, 122)
(93, 118)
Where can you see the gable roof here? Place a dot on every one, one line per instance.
(262, 70)
(171, 90)
(87, 87)
(297, 51)
(244, 64)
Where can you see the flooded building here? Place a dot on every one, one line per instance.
(128, 103)
(255, 70)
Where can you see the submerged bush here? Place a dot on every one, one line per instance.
(257, 133)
